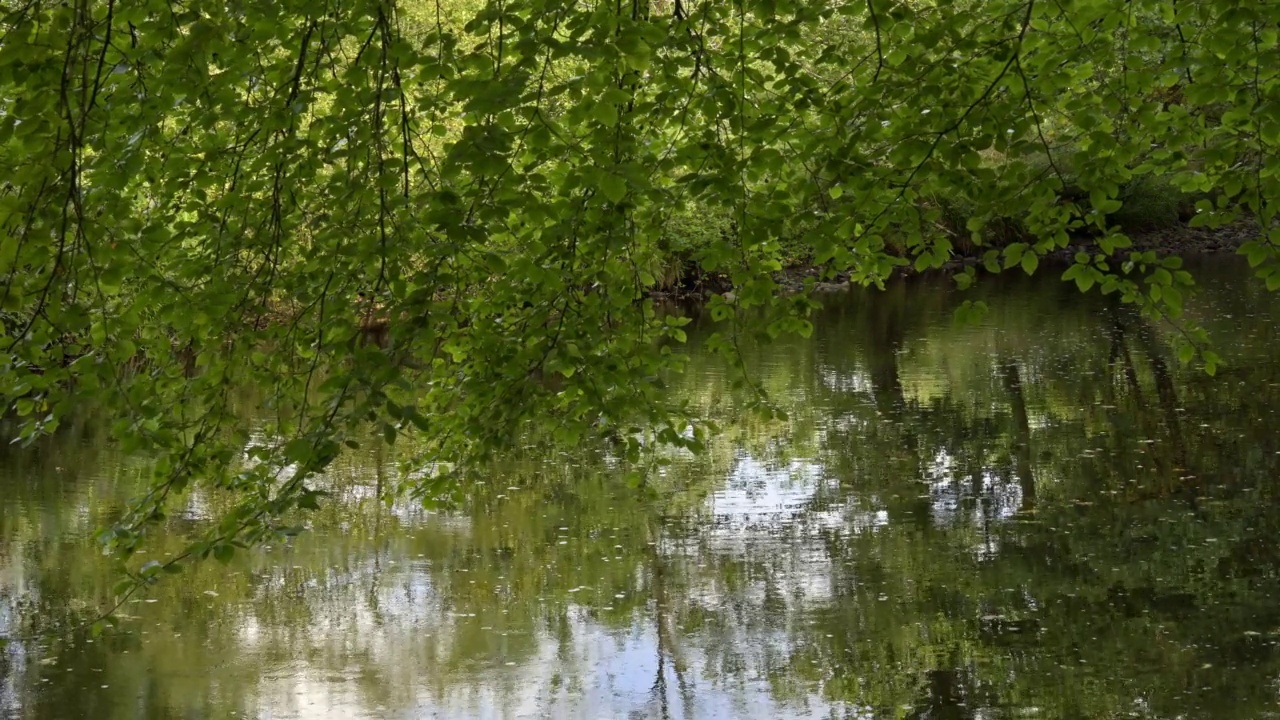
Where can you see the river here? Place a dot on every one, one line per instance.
(1038, 515)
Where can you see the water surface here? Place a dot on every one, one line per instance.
(1042, 515)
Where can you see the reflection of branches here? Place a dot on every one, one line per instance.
(948, 693)
(1167, 395)
(1022, 433)
(666, 643)
(659, 689)
(1120, 352)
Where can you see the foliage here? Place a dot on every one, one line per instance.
(198, 193)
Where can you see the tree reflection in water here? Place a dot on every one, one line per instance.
(1043, 512)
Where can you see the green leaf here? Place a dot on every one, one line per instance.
(298, 450)
(613, 187)
(1186, 353)
(1013, 254)
(1211, 362)
(309, 500)
(605, 112)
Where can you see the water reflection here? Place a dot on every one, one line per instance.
(1041, 515)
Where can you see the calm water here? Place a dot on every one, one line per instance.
(1039, 516)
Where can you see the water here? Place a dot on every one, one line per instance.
(1039, 516)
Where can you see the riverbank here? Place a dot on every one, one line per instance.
(1179, 239)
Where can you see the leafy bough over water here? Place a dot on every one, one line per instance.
(445, 218)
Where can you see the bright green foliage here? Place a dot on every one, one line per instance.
(195, 195)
